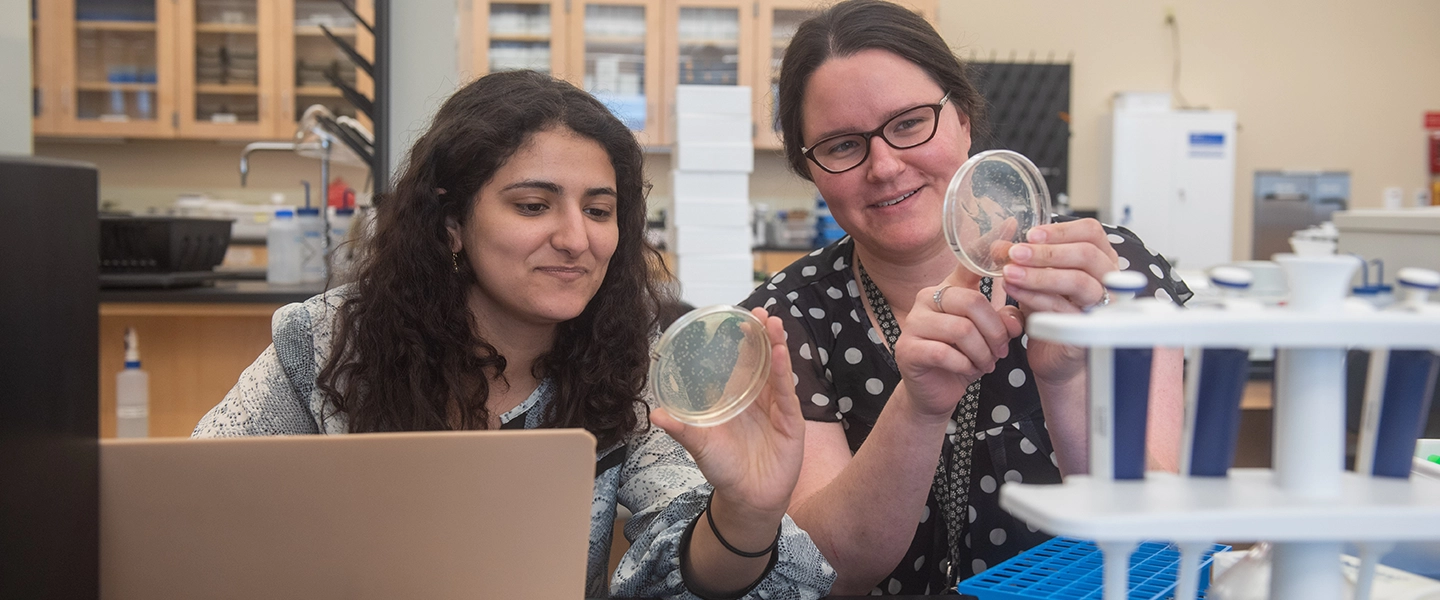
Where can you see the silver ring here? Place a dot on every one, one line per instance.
(938, 297)
(1104, 300)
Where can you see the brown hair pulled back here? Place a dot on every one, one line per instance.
(849, 27)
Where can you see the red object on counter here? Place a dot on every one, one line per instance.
(341, 194)
(1435, 151)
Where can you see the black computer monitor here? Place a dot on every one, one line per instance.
(49, 389)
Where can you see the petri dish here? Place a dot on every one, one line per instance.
(991, 204)
(710, 365)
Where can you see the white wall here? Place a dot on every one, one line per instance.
(15, 95)
(424, 68)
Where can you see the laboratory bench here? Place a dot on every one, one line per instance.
(194, 342)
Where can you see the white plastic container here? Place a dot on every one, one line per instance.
(312, 245)
(341, 248)
(283, 248)
(132, 393)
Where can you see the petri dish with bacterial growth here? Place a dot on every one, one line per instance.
(990, 205)
(710, 365)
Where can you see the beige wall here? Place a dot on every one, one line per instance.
(141, 174)
(1316, 84)
(1319, 84)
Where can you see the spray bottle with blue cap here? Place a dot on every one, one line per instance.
(132, 393)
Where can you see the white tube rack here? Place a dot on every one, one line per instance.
(1308, 506)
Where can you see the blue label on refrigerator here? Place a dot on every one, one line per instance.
(1207, 145)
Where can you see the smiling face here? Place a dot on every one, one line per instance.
(541, 231)
(892, 202)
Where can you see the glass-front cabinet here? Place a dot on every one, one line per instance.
(616, 45)
(225, 63)
(776, 24)
(198, 69)
(115, 62)
(520, 35)
(313, 69)
(708, 42)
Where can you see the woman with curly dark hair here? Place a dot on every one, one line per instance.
(507, 284)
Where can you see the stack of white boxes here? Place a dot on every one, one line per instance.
(714, 156)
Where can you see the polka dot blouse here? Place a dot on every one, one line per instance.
(845, 373)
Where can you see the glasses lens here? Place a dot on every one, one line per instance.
(911, 128)
(840, 152)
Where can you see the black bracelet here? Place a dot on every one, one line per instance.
(711, 519)
(687, 579)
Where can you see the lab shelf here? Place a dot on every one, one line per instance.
(1269, 328)
(1247, 505)
(1307, 506)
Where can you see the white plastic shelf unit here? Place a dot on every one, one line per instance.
(1307, 506)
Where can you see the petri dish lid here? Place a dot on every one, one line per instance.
(710, 365)
(991, 204)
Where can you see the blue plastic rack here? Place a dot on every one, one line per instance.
(1065, 568)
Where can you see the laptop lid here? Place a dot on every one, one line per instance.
(492, 514)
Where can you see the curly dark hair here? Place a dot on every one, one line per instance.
(850, 27)
(405, 356)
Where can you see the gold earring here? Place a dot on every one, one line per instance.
(455, 261)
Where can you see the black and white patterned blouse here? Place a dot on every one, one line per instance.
(650, 473)
(845, 372)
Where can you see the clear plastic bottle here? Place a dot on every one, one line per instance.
(341, 249)
(312, 245)
(132, 393)
(282, 245)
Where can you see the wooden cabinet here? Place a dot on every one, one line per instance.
(775, 23)
(304, 54)
(196, 69)
(107, 68)
(632, 53)
(225, 59)
(614, 52)
(194, 353)
(520, 35)
(707, 42)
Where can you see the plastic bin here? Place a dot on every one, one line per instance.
(162, 244)
(1074, 569)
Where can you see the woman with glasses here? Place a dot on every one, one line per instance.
(921, 393)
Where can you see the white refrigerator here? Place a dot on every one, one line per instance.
(1172, 181)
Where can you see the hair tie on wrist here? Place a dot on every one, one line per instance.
(711, 519)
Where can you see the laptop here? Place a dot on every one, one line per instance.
(492, 514)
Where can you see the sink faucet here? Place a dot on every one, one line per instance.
(255, 146)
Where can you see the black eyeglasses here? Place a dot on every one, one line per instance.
(840, 153)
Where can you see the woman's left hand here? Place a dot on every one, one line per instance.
(1059, 270)
(753, 460)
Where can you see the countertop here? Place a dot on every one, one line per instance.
(221, 291)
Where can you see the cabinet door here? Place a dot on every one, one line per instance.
(115, 71)
(305, 55)
(707, 42)
(616, 56)
(519, 35)
(225, 68)
(775, 25)
(43, 89)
